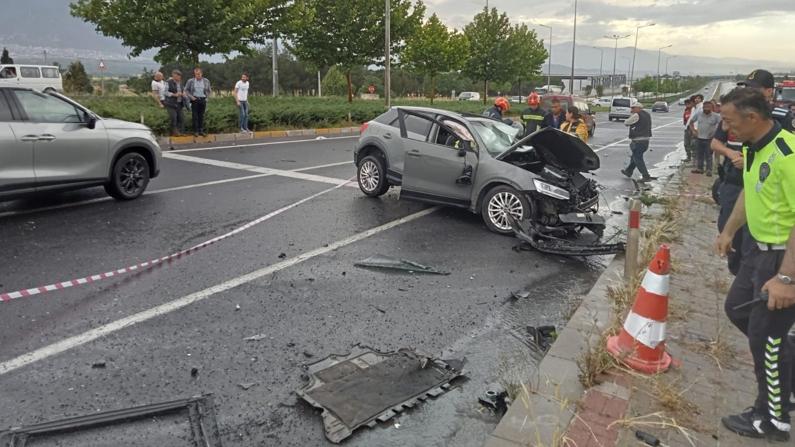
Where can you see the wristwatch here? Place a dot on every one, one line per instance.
(785, 279)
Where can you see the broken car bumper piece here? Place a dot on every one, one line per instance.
(524, 231)
(385, 262)
(367, 387)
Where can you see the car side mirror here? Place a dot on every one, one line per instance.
(90, 120)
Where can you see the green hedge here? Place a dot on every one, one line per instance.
(266, 113)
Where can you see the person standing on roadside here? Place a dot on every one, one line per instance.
(174, 102)
(639, 135)
(574, 124)
(198, 90)
(158, 89)
(725, 143)
(241, 99)
(555, 118)
(761, 301)
(533, 115)
(688, 135)
(703, 129)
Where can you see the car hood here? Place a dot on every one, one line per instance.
(111, 123)
(558, 149)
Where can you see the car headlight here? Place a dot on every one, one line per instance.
(551, 190)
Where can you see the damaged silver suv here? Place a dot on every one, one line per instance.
(483, 165)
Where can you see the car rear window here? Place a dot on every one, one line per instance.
(50, 73)
(388, 118)
(620, 103)
(29, 72)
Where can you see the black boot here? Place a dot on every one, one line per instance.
(753, 424)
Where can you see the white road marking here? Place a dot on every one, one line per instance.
(260, 144)
(164, 190)
(627, 139)
(259, 169)
(171, 306)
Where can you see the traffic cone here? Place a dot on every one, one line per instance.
(641, 343)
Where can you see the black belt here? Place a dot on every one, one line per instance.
(771, 247)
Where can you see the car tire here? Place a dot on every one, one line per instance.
(129, 177)
(495, 203)
(371, 176)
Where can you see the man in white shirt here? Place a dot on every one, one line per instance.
(159, 89)
(241, 98)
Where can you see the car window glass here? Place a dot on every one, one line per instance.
(50, 73)
(29, 72)
(453, 139)
(417, 128)
(620, 103)
(497, 137)
(8, 73)
(43, 108)
(5, 109)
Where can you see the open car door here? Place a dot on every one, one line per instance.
(440, 168)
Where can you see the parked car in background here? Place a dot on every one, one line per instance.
(576, 101)
(518, 99)
(604, 101)
(43, 78)
(660, 106)
(49, 142)
(682, 101)
(482, 165)
(469, 96)
(619, 108)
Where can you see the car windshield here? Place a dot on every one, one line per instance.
(787, 94)
(496, 136)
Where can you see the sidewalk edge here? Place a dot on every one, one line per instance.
(171, 142)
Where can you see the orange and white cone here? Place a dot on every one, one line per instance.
(641, 343)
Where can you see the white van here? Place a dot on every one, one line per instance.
(469, 96)
(38, 77)
(619, 108)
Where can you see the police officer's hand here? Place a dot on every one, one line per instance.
(780, 295)
(737, 161)
(723, 245)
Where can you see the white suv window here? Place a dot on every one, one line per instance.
(42, 108)
(8, 73)
(29, 72)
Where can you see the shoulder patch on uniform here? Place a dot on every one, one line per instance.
(783, 147)
(778, 111)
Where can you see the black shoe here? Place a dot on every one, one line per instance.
(696, 171)
(626, 174)
(752, 424)
(709, 173)
(648, 178)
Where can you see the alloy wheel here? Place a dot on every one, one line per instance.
(131, 176)
(502, 204)
(369, 176)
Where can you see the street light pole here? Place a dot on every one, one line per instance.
(666, 63)
(615, 37)
(275, 66)
(387, 51)
(549, 65)
(573, 48)
(659, 53)
(601, 61)
(635, 53)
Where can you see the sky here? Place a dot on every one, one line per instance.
(749, 29)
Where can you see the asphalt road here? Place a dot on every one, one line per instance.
(291, 278)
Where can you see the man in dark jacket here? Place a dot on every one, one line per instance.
(174, 102)
(640, 135)
(198, 90)
(555, 118)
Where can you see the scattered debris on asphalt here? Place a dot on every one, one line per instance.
(378, 308)
(543, 336)
(247, 386)
(199, 410)
(520, 294)
(387, 263)
(525, 232)
(194, 372)
(496, 398)
(367, 387)
(98, 365)
(282, 255)
(237, 307)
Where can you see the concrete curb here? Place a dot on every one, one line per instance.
(542, 419)
(167, 142)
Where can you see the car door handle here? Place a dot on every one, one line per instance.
(414, 153)
(30, 138)
(47, 137)
(388, 136)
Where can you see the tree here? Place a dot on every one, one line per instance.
(141, 84)
(600, 90)
(434, 49)
(181, 30)
(647, 84)
(5, 58)
(490, 48)
(528, 54)
(334, 83)
(350, 33)
(75, 80)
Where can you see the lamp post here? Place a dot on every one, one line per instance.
(666, 65)
(573, 48)
(659, 53)
(601, 61)
(549, 65)
(635, 53)
(615, 37)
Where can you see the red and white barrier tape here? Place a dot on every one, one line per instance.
(159, 261)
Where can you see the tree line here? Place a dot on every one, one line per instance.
(336, 37)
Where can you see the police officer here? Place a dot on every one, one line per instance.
(501, 105)
(764, 282)
(764, 81)
(533, 115)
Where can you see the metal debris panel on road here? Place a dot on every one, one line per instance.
(368, 387)
(387, 263)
